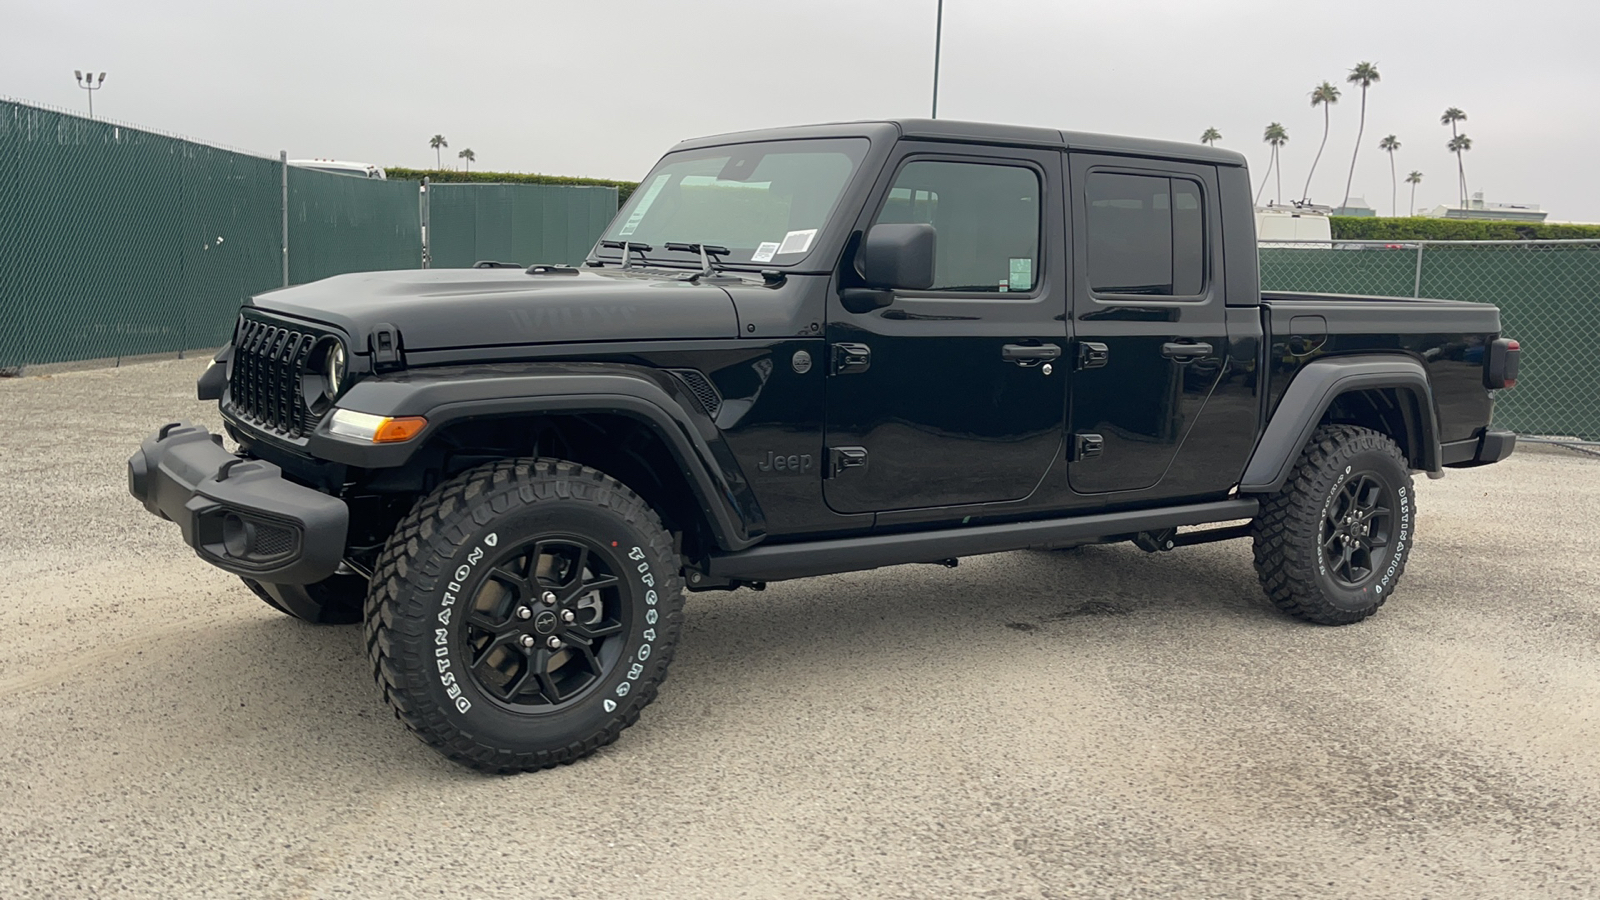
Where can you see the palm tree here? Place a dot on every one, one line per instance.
(469, 156)
(1451, 116)
(1414, 179)
(1277, 137)
(1210, 137)
(436, 142)
(1325, 95)
(1459, 145)
(1366, 75)
(1389, 145)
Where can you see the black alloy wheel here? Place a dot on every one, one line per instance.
(1356, 530)
(544, 626)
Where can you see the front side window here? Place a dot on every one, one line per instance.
(1145, 235)
(986, 217)
(765, 202)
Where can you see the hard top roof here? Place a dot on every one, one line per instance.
(982, 133)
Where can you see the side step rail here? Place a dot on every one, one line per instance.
(776, 562)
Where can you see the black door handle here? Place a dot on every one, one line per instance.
(1029, 354)
(1185, 351)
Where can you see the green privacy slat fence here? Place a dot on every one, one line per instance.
(116, 242)
(520, 223)
(1549, 299)
(340, 224)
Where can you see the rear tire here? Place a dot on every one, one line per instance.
(338, 600)
(1331, 544)
(524, 613)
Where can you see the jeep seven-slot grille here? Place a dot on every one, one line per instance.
(264, 387)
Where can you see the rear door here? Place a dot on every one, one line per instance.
(1149, 316)
(955, 395)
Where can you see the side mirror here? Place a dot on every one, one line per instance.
(898, 257)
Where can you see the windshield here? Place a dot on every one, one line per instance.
(766, 202)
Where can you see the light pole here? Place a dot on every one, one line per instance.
(91, 84)
(938, 37)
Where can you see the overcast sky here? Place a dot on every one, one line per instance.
(603, 88)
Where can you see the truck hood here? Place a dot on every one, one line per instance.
(439, 309)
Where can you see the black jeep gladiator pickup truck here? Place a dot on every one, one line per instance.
(806, 351)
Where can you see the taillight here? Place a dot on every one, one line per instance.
(1500, 369)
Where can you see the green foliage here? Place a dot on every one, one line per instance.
(624, 188)
(1372, 228)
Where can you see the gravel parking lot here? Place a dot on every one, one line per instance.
(1096, 723)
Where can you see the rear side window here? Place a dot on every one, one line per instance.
(986, 216)
(1145, 234)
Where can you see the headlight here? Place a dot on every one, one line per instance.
(334, 369)
(324, 375)
(375, 429)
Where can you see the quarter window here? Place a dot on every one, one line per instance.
(1145, 235)
(986, 216)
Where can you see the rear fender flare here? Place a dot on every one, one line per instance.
(1315, 388)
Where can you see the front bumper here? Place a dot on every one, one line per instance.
(1490, 447)
(238, 514)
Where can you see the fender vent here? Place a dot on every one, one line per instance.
(702, 388)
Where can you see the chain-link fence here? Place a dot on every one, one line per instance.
(116, 241)
(340, 224)
(1548, 293)
(520, 223)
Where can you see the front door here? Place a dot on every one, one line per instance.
(1152, 339)
(955, 395)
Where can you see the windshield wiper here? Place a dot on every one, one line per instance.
(706, 251)
(627, 248)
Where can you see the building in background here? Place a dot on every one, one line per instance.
(1357, 206)
(1478, 209)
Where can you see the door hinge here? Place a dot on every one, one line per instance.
(1092, 354)
(851, 359)
(1087, 446)
(841, 459)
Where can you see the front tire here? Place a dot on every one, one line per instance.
(1331, 544)
(524, 613)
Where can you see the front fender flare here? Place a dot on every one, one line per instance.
(446, 396)
(1314, 389)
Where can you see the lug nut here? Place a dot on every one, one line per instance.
(549, 598)
(528, 640)
(568, 615)
(524, 613)
(553, 642)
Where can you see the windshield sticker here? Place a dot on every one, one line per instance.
(797, 241)
(765, 252)
(1021, 274)
(644, 204)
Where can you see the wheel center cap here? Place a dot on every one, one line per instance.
(545, 622)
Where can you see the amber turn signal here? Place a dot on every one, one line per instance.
(402, 429)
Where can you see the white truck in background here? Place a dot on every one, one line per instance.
(1295, 222)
